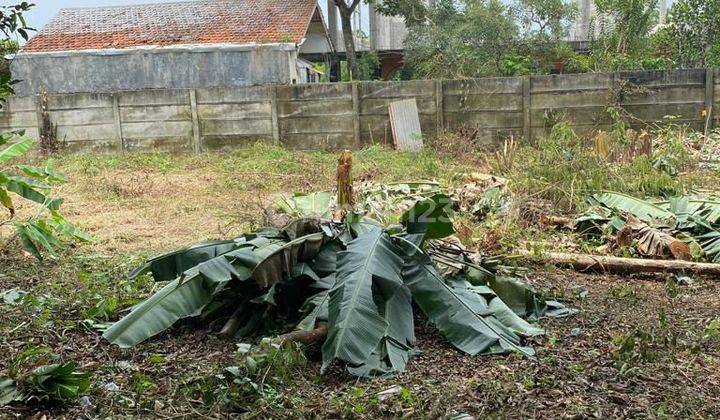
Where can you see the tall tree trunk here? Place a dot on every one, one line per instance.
(346, 12)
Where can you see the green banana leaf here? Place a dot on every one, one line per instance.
(392, 354)
(316, 204)
(708, 209)
(171, 265)
(518, 296)
(641, 209)
(356, 325)
(710, 244)
(431, 217)
(315, 310)
(195, 289)
(8, 391)
(15, 150)
(463, 323)
(59, 381)
(482, 299)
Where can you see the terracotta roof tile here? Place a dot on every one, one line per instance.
(163, 24)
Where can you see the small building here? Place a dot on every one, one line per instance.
(189, 44)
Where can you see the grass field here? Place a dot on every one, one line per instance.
(639, 346)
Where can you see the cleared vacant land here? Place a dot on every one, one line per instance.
(639, 346)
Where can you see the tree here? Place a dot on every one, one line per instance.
(546, 20)
(625, 25)
(347, 8)
(692, 36)
(476, 38)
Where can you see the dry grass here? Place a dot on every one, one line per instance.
(136, 205)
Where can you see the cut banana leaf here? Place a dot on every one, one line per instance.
(465, 325)
(170, 266)
(356, 324)
(710, 244)
(518, 296)
(317, 204)
(196, 288)
(641, 209)
(397, 346)
(483, 299)
(431, 217)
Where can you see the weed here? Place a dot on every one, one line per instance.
(260, 369)
(577, 169)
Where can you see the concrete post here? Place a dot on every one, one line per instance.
(275, 121)
(356, 112)
(196, 139)
(527, 122)
(118, 120)
(439, 107)
(709, 98)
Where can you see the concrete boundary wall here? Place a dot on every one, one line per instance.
(350, 115)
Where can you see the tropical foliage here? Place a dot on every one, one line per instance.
(657, 229)
(358, 278)
(41, 228)
(53, 383)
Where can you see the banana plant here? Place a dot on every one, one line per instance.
(358, 279)
(42, 231)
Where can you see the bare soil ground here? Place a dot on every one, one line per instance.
(140, 205)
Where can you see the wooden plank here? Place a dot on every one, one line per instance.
(328, 141)
(484, 119)
(425, 104)
(275, 124)
(93, 146)
(709, 99)
(18, 119)
(319, 108)
(405, 124)
(396, 90)
(313, 125)
(163, 143)
(78, 101)
(488, 86)
(87, 132)
(527, 106)
(216, 142)
(324, 91)
(571, 82)
(18, 104)
(495, 102)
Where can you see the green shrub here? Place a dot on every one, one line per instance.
(563, 167)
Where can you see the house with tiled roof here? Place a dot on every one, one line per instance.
(185, 44)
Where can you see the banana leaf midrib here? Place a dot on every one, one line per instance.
(356, 291)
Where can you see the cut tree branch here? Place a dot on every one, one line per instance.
(606, 264)
(306, 337)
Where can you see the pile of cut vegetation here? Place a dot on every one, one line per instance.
(344, 270)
